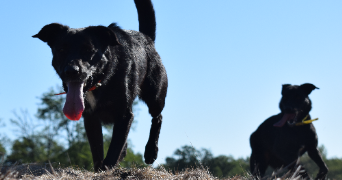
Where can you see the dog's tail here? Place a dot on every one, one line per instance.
(147, 18)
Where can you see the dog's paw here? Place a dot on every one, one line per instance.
(98, 166)
(107, 164)
(322, 175)
(151, 153)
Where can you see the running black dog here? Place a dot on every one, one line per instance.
(120, 65)
(282, 139)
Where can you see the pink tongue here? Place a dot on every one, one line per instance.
(284, 119)
(74, 104)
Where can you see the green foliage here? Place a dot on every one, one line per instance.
(2, 149)
(32, 145)
(227, 166)
(3, 141)
(132, 160)
(78, 154)
(220, 166)
(186, 158)
(335, 168)
(2, 152)
(33, 149)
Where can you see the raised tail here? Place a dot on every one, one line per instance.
(147, 18)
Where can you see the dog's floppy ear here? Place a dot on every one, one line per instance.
(284, 88)
(50, 32)
(105, 35)
(308, 88)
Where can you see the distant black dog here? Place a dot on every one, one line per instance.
(283, 138)
(125, 64)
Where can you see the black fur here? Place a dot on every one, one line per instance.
(128, 66)
(281, 146)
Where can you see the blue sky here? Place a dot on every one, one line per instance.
(226, 62)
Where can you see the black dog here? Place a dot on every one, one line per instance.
(283, 138)
(125, 64)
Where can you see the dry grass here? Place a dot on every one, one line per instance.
(46, 171)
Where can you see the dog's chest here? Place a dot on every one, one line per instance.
(289, 138)
(91, 100)
(102, 108)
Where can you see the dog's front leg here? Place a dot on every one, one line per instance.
(119, 138)
(316, 156)
(94, 133)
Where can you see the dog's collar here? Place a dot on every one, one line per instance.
(91, 89)
(305, 121)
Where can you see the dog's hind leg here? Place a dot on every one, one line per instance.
(154, 97)
(93, 129)
(151, 148)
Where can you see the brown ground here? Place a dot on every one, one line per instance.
(46, 171)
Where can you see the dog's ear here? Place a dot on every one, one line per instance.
(50, 32)
(308, 88)
(104, 34)
(285, 86)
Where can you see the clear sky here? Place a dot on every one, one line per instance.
(226, 61)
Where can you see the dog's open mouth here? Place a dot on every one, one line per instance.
(74, 104)
(290, 118)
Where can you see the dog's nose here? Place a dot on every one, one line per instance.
(71, 70)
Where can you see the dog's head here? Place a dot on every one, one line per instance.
(79, 55)
(294, 103)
